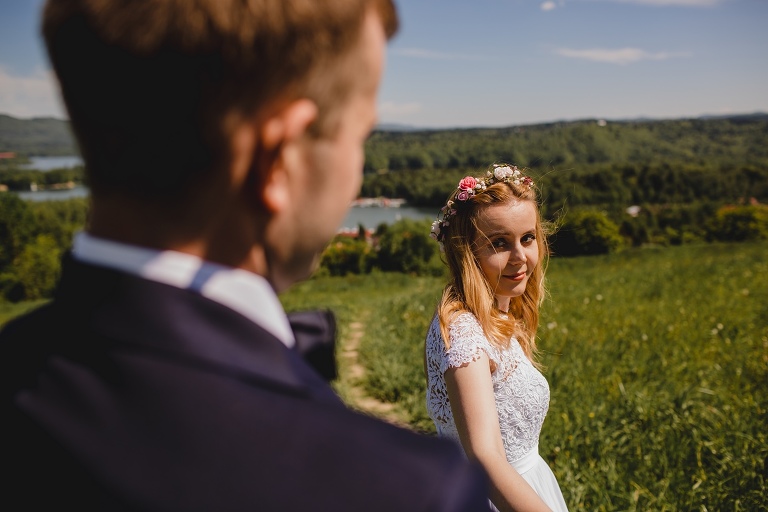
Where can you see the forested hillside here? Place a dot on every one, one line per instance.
(708, 143)
(42, 136)
(603, 186)
(630, 182)
(585, 162)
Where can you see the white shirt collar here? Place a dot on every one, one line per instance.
(245, 292)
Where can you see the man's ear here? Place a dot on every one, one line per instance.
(279, 137)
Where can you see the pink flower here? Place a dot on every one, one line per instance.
(463, 195)
(467, 183)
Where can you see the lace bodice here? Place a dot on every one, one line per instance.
(521, 391)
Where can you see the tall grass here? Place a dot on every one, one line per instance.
(383, 303)
(657, 362)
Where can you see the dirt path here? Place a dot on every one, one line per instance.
(352, 373)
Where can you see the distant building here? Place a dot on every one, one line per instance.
(7, 154)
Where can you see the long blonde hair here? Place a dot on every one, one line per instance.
(469, 291)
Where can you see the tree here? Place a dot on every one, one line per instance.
(635, 231)
(17, 224)
(36, 270)
(739, 223)
(347, 255)
(405, 246)
(586, 232)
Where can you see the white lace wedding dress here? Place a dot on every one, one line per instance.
(522, 398)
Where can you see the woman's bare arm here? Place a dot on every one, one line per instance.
(470, 390)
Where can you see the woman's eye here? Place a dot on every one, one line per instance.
(498, 243)
(528, 238)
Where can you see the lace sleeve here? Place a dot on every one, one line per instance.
(467, 341)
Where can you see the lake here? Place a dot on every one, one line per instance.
(48, 163)
(54, 195)
(369, 216)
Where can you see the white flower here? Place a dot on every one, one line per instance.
(435, 231)
(502, 172)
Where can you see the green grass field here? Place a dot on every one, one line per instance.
(657, 361)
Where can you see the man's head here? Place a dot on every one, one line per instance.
(153, 87)
(239, 124)
(316, 179)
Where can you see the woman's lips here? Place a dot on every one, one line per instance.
(516, 277)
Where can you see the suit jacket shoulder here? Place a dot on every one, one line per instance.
(128, 394)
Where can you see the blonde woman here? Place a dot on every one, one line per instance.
(484, 389)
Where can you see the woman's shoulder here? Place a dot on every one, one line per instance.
(465, 331)
(466, 340)
(463, 318)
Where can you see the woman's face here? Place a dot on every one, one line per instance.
(505, 246)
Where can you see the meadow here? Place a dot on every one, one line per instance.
(657, 361)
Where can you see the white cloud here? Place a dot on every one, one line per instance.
(421, 53)
(682, 3)
(392, 109)
(618, 56)
(30, 96)
(550, 5)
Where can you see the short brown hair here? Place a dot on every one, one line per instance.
(150, 84)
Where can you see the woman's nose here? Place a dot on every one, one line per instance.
(517, 254)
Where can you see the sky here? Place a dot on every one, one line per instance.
(493, 63)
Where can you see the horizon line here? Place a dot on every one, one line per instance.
(401, 126)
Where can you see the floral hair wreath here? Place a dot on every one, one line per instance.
(470, 186)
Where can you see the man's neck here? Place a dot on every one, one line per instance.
(220, 236)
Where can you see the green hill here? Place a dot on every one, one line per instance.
(40, 136)
(604, 164)
(705, 142)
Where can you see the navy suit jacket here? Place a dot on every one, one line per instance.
(127, 394)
